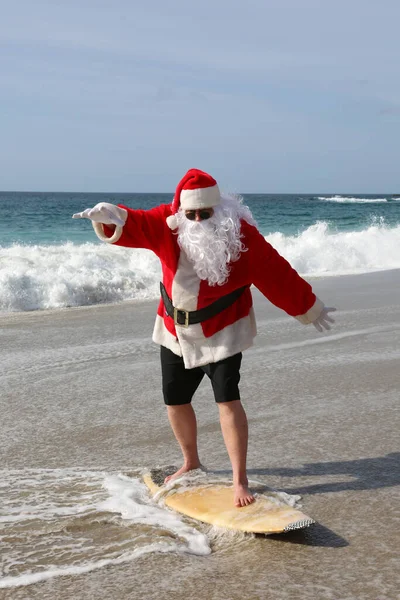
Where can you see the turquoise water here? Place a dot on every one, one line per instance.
(45, 218)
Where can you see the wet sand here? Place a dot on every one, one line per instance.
(81, 388)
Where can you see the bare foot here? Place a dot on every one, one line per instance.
(242, 495)
(181, 471)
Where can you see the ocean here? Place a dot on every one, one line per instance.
(48, 260)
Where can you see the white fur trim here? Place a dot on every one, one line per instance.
(200, 198)
(98, 227)
(198, 350)
(312, 314)
(172, 222)
(162, 336)
(186, 285)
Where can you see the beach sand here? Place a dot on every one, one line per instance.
(80, 390)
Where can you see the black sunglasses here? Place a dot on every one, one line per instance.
(203, 214)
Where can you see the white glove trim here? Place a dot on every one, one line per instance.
(98, 228)
(312, 314)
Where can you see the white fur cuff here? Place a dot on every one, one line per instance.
(98, 227)
(311, 314)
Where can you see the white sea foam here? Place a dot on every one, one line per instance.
(130, 498)
(40, 277)
(70, 522)
(46, 574)
(350, 199)
(319, 251)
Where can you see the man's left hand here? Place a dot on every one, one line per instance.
(322, 322)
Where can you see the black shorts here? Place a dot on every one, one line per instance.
(179, 384)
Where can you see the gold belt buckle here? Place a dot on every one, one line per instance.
(176, 310)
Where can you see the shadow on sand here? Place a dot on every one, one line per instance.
(367, 474)
(316, 535)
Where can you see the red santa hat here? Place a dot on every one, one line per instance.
(195, 190)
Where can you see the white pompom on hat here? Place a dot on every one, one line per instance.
(195, 190)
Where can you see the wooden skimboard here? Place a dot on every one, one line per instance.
(213, 503)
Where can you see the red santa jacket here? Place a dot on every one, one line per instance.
(233, 329)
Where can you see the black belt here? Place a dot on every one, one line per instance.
(186, 318)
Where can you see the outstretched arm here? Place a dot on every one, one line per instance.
(125, 226)
(282, 285)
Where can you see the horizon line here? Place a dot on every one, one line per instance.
(172, 193)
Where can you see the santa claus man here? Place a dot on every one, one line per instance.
(211, 253)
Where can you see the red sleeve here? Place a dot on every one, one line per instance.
(143, 228)
(276, 278)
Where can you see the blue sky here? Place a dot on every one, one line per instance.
(267, 96)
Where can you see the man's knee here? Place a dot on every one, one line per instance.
(230, 406)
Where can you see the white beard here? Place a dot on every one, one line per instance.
(213, 244)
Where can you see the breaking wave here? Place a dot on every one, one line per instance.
(349, 199)
(58, 276)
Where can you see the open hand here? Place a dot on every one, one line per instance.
(104, 212)
(322, 322)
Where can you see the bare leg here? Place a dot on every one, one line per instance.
(235, 431)
(183, 422)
